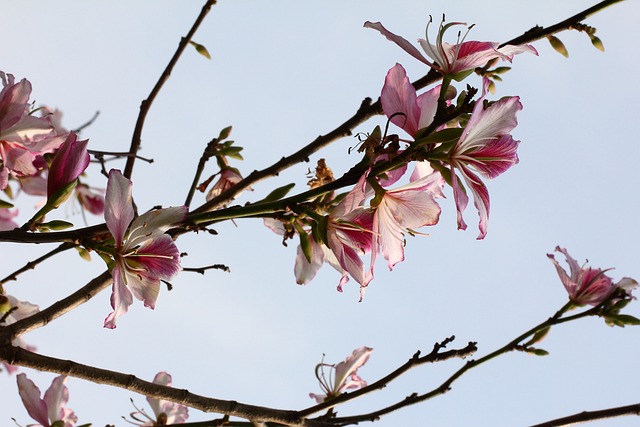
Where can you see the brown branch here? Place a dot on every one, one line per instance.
(415, 361)
(368, 110)
(57, 309)
(146, 104)
(18, 356)
(587, 416)
(32, 264)
(537, 32)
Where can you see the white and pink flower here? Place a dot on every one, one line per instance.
(586, 285)
(458, 60)
(343, 376)
(50, 409)
(144, 254)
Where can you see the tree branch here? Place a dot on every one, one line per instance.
(586, 416)
(146, 104)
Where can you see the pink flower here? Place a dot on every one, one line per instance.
(349, 234)
(166, 413)
(21, 310)
(69, 163)
(403, 209)
(343, 376)
(586, 285)
(486, 148)
(455, 60)
(90, 200)
(228, 178)
(399, 96)
(23, 137)
(51, 409)
(143, 253)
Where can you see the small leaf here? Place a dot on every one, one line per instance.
(595, 41)
(200, 49)
(305, 243)
(622, 319)
(537, 351)
(539, 335)
(55, 225)
(500, 70)
(558, 46)
(224, 133)
(278, 193)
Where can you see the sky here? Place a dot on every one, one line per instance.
(281, 74)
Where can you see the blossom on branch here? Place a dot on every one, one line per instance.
(70, 161)
(403, 106)
(586, 285)
(485, 148)
(144, 254)
(49, 411)
(23, 137)
(343, 376)
(458, 60)
(165, 412)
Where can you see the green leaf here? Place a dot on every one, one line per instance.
(224, 133)
(539, 335)
(305, 243)
(443, 136)
(200, 49)
(55, 225)
(500, 70)
(537, 351)
(4, 204)
(278, 193)
(558, 46)
(596, 42)
(622, 319)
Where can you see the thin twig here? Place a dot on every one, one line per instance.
(201, 270)
(587, 416)
(32, 264)
(146, 104)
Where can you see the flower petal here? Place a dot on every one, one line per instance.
(121, 298)
(118, 212)
(403, 43)
(30, 395)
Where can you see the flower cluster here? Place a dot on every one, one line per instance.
(454, 144)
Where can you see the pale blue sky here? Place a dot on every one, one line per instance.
(281, 74)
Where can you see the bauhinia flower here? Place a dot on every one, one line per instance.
(23, 137)
(485, 148)
(349, 234)
(458, 60)
(49, 411)
(17, 310)
(228, 178)
(342, 377)
(403, 209)
(586, 285)
(403, 106)
(144, 254)
(165, 412)
(70, 161)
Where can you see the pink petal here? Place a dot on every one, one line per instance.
(68, 164)
(480, 198)
(30, 395)
(399, 100)
(498, 119)
(304, 270)
(121, 298)
(56, 397)
(118, 212)
(403, 43)
(495, 157)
